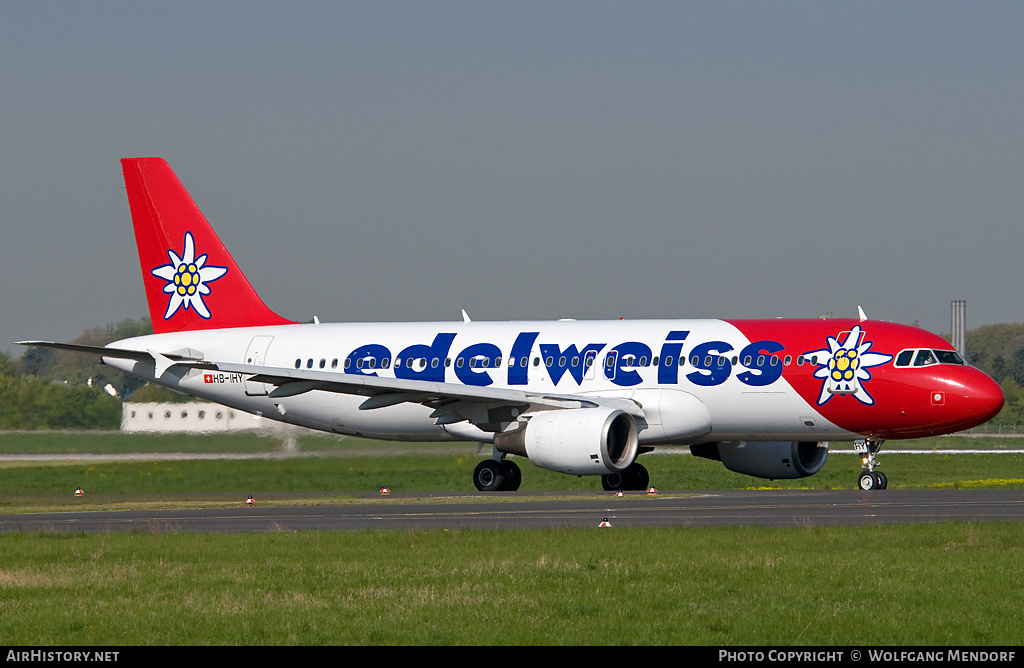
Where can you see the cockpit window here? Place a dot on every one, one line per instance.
(904, 358)
(925, 358)
(949, 357)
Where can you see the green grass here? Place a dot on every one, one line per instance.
(939, 584)
(109, 442)
(113, 442)
(928, 584)
(356, 467)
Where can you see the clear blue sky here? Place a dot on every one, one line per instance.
(527, 160)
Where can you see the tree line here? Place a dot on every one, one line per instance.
(54, 389)
(998, 350)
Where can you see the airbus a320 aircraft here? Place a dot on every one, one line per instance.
(764, 397)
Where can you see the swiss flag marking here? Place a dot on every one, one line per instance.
(208, 378)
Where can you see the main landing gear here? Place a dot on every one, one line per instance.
(633, 478)
(503, 475)
(497, 476)
(869, 478)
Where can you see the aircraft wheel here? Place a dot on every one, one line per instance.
(488, 476)
(634, 478)
(883, 482)
(613, 481)
(638, 477)
(513, 476)
(867, 481)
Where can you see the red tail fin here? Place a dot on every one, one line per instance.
(191, 280)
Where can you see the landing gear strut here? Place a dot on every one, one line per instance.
(869, 478)
(635, 477)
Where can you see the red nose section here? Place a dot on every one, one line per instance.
(939, 399)
(983, 398)
(959, 398)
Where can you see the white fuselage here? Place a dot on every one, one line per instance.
(656, 363)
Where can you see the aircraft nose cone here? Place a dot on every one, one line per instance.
(983, 397)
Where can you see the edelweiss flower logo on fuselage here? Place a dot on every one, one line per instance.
(188, 279)
(844, 366)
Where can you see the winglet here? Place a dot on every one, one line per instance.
(860, 312)
(465, 316)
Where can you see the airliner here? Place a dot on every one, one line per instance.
(763, 397)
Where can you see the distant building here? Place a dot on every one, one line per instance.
(196, 418)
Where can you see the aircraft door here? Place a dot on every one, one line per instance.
(256, 354)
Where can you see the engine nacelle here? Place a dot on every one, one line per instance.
(767, 459)
(578, 441)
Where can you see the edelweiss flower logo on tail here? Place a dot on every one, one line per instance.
(188, 279)
(844, 367)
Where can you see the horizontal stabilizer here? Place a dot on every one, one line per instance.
(161, 361)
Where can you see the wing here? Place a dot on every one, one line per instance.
(490, 409)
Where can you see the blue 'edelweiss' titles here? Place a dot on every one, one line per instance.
(707, 363)
(187, 279)
(843, 367)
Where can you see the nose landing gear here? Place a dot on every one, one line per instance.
(870, 479)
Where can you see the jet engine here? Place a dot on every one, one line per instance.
(767, 459)
(578, 441)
